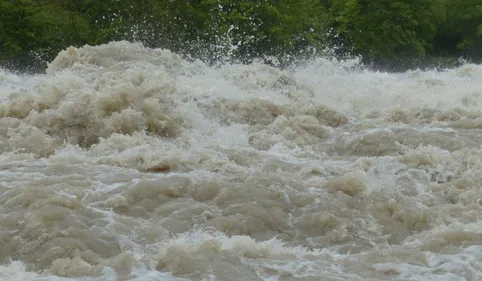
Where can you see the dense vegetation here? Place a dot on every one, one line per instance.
(393, 33)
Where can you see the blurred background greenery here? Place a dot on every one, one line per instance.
(390, 35)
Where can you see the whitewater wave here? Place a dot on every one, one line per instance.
(129, 163)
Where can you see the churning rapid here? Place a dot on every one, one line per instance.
(129, 163)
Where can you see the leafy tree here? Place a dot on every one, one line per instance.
(397, 32)
(17, 38)
(275, 28)
(462, 30)
(390, 28)
(59, 25)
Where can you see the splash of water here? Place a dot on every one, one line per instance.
(130, 163)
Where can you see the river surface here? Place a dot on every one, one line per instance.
(129, 163)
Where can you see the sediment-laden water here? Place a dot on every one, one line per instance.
(128, 163)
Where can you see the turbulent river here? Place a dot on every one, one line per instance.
(129, 163)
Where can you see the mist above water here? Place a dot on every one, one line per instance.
(129, 163)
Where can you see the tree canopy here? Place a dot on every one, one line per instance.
(34, 31)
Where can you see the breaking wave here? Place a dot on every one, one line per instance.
(129, 163)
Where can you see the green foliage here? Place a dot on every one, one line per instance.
(34, 31)
(60, 26)
(18, 30)
(286, 27)
(464, 23)
(392, 28)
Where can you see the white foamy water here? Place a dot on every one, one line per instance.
(128, 163)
